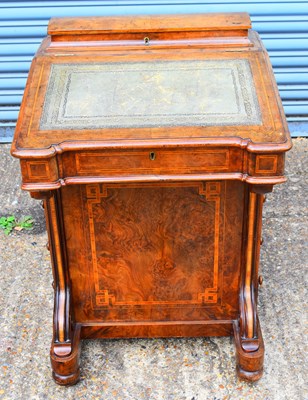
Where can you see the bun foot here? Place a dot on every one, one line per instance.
(248, 375)
(66, 380)
(249, 355)
(65, 361)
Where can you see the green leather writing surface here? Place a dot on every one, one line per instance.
(150, 94)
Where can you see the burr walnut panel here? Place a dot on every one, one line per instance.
(143, 264)
(170, 257)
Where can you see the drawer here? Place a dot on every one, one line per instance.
(157, 161)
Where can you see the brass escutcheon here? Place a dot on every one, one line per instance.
(146, 40)
(152, 155)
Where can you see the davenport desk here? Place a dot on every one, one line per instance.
(152, 142)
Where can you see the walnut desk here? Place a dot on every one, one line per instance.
(152, 141)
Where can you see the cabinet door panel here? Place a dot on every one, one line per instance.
(148, 252)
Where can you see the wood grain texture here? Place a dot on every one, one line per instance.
(175, 264)
(249, 363)
(62, 323)
(154, 23)
(125, 245)
(154, 229)
(164, 162)
(156, 330)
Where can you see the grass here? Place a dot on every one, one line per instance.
(10, 223)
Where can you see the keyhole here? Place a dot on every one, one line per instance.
(152, 156)
(146, 40)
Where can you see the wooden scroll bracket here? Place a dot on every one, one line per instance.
(64, 352)
(247, 331)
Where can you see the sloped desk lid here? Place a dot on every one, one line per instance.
(150, 94)
(182, 86)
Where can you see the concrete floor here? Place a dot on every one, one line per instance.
(192, 369)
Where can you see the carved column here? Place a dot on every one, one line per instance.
(247, 332)
(64, 352)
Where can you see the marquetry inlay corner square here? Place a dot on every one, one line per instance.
(266, 164)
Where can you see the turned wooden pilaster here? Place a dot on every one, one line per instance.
(64, 351)
(247, 333)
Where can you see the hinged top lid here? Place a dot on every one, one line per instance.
(153, 23)
(127, 81)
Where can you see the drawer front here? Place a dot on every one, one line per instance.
(157, 161)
